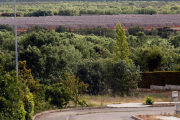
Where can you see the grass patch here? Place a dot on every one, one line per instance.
(103, 100)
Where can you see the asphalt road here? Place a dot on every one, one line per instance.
(104, 113)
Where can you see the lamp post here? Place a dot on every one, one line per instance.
(16, 55)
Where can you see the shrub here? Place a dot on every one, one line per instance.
(21, 113)
(26, 77)
(149, 100)
(7, 27)
(29, 106)
(58, 95)
(124, 77)
(82, 102)
(11, 94)
(136, 29)
(61, 29)
(75, 86)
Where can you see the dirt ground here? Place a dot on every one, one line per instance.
(149, 117)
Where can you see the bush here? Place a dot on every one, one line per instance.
(136, 29)
(40, 13)
(21, 113)
(58, 95)
(29, 106)
(93, 71)
(149, 100)
(61, 29)
(82, 102)
(124, 77)
(11, 94)
(7, 27)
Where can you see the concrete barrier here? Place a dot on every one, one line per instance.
(166, 87)
(172, 87)
(156, 87)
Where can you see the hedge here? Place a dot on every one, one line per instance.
(160, 78)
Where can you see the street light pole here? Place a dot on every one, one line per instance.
(15, 38)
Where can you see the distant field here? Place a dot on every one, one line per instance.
(77, 8)
(77, 14)
(91, 21)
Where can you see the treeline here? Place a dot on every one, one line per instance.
(48, 63)
(164, 32)
(51, 54)
(75, 8)
(55, 67)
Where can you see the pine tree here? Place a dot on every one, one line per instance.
(121, 49)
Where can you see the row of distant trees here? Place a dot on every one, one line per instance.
(164, 32)
(67, 12)
(75, 8)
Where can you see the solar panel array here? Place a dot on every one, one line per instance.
(106, 21)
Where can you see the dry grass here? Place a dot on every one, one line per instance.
(152, 117)
(177, 115)
(148, 117)
(101, 100)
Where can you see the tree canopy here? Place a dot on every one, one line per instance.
(121, 48)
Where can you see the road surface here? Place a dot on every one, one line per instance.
(104, 113)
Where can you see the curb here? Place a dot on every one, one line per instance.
(62, 110)
(45, 112)
(136, 118)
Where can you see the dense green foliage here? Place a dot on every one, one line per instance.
(76, 8)
(164, 32)
(6, 27)
(58, 95)
(124, 77)
(98, 31)
(12, 92)
(48, 55)
(137, 29)
(29, 106)
(51, 54)
(61, 29)
(75, 86)
(21, 96)
(121, 48)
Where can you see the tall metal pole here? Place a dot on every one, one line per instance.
(15, 38)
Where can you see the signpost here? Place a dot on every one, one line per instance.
(174, 96)
(175, 99)
(15, 38)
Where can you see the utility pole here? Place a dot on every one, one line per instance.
(16, 55)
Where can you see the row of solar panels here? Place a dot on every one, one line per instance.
(107, 21)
